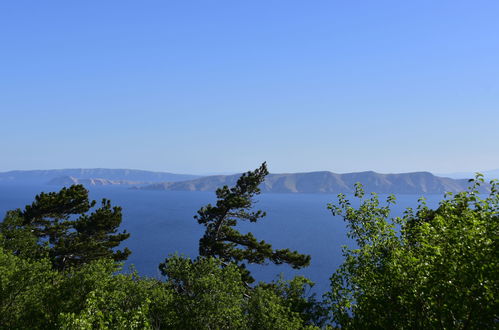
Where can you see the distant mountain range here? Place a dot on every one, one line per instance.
(47, 176)
(328, 182)
(311, 182)
(69, 180)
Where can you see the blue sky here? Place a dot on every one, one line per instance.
(220, 86)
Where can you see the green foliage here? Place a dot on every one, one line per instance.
(296, 295)
(208, 296)
(20, 239)
(23, 287)
(34, 296)
(106, 300)
(267, 310)
(115, 302)
(60, 225)
(427, 269)
(223, 241)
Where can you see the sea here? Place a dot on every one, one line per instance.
(161, 224)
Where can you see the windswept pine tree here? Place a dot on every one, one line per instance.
(222, 240)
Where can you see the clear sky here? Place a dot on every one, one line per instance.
(220, 86)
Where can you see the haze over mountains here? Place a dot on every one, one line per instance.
(70, 180)
(50, 176)
(328, 182)
(311, 182)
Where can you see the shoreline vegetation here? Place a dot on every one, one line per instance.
(430, 268)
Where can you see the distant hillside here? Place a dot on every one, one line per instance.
(328, 182)
(69, 180)
(45, 176)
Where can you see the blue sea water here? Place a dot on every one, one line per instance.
(161, 223)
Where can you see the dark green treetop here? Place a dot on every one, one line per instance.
(223, 241)
(61, 225)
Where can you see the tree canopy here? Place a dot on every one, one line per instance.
(62, 225)
(427, 269)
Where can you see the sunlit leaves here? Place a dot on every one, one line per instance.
(438, 270)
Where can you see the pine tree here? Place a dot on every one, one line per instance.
(63, 227)
(223, 241)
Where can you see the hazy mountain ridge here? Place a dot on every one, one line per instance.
(310, 182)
(329, 182)
(45, 176)
(70, 180)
